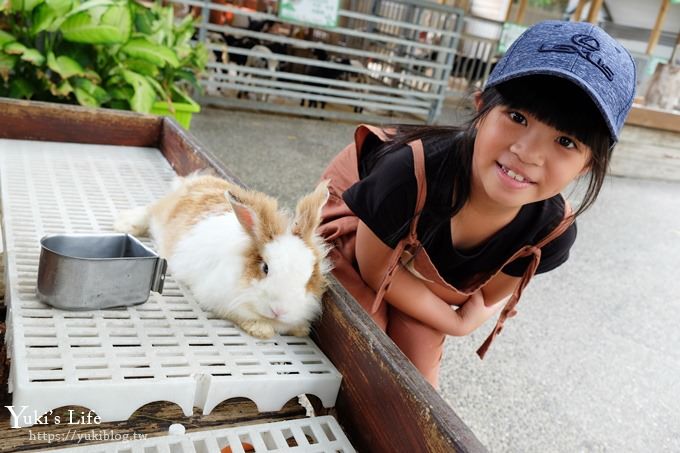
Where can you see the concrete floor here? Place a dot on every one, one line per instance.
(591, 363)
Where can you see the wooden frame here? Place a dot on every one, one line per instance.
(384, 404)
(654, 118)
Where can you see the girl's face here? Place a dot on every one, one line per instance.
(519, 160)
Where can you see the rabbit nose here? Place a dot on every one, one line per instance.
(278, 311)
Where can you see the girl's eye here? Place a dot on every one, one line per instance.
(517, 118)
(265, 268)
(566, 142)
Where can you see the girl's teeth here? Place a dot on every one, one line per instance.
(513, 175)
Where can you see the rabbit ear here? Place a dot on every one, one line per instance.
(246, 216)
(308, 211)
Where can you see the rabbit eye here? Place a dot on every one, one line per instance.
(264, 268)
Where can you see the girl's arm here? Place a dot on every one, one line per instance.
(411, 296)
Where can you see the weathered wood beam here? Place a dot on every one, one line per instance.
(521, 9)
(578, 12)
(594, 11)
(656, 31)
(508, 11)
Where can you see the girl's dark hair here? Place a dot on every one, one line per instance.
(552, 100)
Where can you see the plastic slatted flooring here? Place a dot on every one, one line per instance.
(309, 435)
(167, 349)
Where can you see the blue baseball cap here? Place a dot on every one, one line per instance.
(582, 53)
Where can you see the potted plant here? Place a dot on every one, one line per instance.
(105, 53)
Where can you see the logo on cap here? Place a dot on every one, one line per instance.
(587, 47)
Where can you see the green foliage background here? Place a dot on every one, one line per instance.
(100, 53)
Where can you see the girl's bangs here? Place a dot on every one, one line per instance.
(558, 103)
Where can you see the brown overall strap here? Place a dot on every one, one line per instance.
(534, 250)
(411, 239)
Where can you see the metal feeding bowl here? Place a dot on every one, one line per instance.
(94, 271)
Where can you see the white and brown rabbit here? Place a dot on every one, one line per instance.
(241, 257)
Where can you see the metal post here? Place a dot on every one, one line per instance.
(205, 19)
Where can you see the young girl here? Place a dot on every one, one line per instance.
(437, 228)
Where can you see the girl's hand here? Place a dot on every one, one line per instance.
(475, 311)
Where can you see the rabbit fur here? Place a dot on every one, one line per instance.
(241, 257)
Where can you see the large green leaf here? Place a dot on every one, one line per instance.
(22, 6)
(61, 7)
(91, 5)
(92, 75)
(30, 4)
(61, 90)
(142, 66)
(64, 66)
(5, 38)
(157, 87)
(118, 16)
(21, 89)
(123, 93)
(95, 91)
(34, 57)
(14, 48)
(43, 17)
(153, 53)
(85, 98)
(99, 25)
(179, 95)
(143, 20)
(144, 96)
(7, 63)
(50, 15)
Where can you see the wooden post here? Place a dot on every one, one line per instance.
(656, 32)
(508, 11)
(675, 49)
(520, 11)
(579, 10)
(595, 7)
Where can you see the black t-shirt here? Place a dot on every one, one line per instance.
(385, 201)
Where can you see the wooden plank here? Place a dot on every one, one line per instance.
(28, 120)
(384, 402)
(641, 115)
(186, 155)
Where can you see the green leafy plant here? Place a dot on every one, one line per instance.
(105, 53)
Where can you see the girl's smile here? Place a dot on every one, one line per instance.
(518, 159)
(513, 178)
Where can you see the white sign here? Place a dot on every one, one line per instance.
(314, 12)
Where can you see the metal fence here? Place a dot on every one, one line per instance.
(476, 55)
(383, 59)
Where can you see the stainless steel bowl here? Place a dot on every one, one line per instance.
(94, 271)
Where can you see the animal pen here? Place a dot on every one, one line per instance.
(383, 59)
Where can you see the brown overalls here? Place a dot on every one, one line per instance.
(422, 344)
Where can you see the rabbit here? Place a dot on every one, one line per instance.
(241, 257)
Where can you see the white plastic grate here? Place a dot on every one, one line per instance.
(307, 435)
(115, 361)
